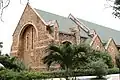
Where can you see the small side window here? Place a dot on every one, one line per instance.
(27, 43)
(98, 47)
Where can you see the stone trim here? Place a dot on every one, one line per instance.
(55, 24)
(41, 47)
(67, 41)
(13, 51)
(28, 5)
(45, 40)
(108, 43)
(66, 33)
(111, 48)
(37, 14)
(50, 37)
(57, 31)
(23, 28)
(93, 39)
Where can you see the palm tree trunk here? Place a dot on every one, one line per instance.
(66, 73)
(66, 76)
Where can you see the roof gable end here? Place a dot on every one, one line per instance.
(27, 7)
(96, 43)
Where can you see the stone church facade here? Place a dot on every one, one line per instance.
(33, 35)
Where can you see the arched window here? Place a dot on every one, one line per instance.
(66, 42)
(32, 39)
(98, 47)
(27, 42)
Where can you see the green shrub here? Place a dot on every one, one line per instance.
(100, 68)
(98, 55)
(11, 75)
(113, 71)
(12, 63)
(6, 74)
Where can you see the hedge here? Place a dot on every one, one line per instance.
(26, 75)
(113, 71)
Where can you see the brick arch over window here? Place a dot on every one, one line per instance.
(27, 42)
(25, 26)
(63, 42)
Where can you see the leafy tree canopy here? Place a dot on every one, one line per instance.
(11, 63)
(75, 56)
(118, 60)
(116, 7)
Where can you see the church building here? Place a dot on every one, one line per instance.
(37, 29)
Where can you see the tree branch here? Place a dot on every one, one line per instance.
(6, 5)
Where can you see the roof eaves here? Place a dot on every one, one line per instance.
(91, 43)
(38, 15)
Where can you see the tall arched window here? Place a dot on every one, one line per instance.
(32, 39)
(27, 42)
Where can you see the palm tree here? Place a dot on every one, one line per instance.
(66, 55)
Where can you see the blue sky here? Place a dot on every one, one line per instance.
(90, 10)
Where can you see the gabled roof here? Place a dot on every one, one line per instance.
(109, 42)
(65, 23)
(104, 32)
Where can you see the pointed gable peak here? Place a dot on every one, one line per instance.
(108, 43)
(28, 9)
(94, 38)
(97, 44)
(28, 5)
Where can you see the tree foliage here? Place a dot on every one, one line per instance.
(7, 74)
(67, 55)
(1, 45)
(100, 68)
(11, 63)
(71, 56)
(98, 55)
(116, 7)
(117, 58)
(4, 4)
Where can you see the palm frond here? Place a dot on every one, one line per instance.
(52, 57)
(54, 48)
(66, 55)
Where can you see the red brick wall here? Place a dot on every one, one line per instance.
(112, 49)
(97, 44)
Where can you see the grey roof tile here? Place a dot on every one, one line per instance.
(65, 23)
